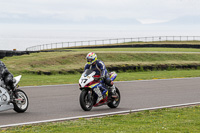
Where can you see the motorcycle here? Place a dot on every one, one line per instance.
(15, 99)
(90, 86)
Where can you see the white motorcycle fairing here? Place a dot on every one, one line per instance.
(85, 79)
(4, 100)
(17, 79)
(5, 97)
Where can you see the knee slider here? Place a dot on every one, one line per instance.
(8, 79)
(109, 82)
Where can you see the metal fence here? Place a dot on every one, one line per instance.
(112, 41)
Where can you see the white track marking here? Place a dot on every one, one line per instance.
(98, 115)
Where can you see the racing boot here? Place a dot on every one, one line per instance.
(98, 92)
(105, 93)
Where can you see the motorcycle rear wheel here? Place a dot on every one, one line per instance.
(115, 102)
(85, 102)
(22, 105)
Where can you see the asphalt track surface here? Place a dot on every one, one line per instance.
(62, 101)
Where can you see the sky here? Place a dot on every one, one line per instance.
(61, 20)
(97, 11)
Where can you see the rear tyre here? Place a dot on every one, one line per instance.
(115, 101)
(20, 106)
(86, 101)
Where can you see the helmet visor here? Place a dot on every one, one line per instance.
(89, 61)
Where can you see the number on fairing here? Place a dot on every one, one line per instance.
(83, 81)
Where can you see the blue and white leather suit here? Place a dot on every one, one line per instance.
(100, 69)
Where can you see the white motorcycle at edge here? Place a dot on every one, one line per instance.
(13, 99)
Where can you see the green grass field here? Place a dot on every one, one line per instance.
(174, 120)
(35, 80)
(56, 62)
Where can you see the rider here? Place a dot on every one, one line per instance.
(99, 67)
(6, 76)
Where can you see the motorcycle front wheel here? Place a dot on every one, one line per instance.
(21, 102)
(86, 101)
(115, 102)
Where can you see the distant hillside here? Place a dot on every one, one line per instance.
(185, 20)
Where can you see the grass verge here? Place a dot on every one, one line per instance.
(163, 120)
(34, 80)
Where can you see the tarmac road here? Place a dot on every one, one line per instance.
(61, 101)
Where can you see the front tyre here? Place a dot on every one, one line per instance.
(21, 102)
(115, 101)
(86, 101)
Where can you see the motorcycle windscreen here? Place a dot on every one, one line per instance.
(88, 72)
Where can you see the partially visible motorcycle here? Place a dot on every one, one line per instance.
(15, 99)
(90, 86)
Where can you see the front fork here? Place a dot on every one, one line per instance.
(90, 96)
